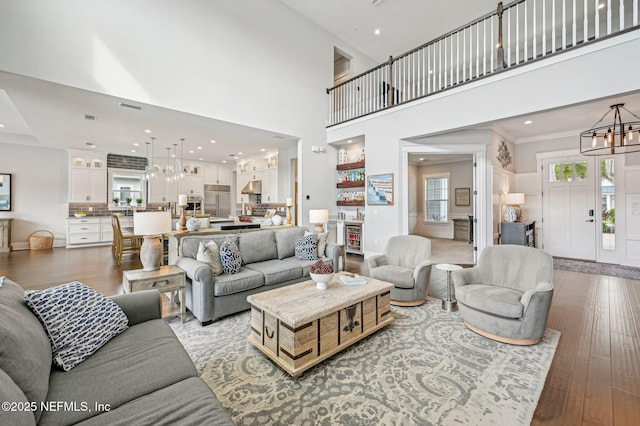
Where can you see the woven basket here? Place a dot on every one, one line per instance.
(40, 242)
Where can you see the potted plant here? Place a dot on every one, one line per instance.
(138, 202)
(116, 201)
(129, 199)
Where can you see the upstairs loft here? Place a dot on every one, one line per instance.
(520, 33)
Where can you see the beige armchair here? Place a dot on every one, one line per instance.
(406, 263)
(507, 296)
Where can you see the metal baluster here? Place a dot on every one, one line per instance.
(553, 26)
(564, 25)
(544, 28)
(478, 50)
(491, 47)
(509, 37)
(575, 23)
(484, 47)
(464, 54)
(439, 65)
(597, 19)
(585, 23)
(526, 27)
(517, 34)
(621, 27)
(458, 57)
(534, 45)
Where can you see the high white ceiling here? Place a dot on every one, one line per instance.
(48, 114)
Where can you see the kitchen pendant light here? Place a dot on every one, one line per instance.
(618, 137)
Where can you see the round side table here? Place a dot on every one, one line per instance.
(450, 303)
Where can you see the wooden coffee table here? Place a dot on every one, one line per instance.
(298, 326)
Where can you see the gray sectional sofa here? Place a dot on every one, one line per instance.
(143, 375)
(268, 262)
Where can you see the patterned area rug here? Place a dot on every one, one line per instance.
(586, 267)
(424, 368)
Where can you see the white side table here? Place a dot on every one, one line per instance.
(450, 303)
(167, 278)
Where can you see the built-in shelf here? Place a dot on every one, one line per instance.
(350, 203)
(349, 166)
(355, 184)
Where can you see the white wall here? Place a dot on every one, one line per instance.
(40, 181)
(539, 86)
(252, 62)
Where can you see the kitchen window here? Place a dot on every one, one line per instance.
(436, 205)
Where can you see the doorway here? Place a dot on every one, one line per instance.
(341, 66)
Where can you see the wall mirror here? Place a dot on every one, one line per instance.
(5, 192)
(127, 188)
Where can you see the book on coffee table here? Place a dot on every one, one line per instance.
(352, 280)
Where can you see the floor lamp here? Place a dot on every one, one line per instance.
(151, 225)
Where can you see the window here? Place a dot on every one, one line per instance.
(568, 172)
(436, 198)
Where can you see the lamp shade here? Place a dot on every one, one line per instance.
(151, 223)
(182, 199)
(319, 216)
(515, 198)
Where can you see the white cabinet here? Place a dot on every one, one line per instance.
(243, 180)
(87, 177)
(191, 185)
(161, 191)
(270, 186)
(215, 174)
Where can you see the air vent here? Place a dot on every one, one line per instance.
(90, 117)
(136, 107)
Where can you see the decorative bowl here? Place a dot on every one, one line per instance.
(193, 224)
(321, 279)
(80, 214)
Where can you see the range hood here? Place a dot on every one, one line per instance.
(254, 187)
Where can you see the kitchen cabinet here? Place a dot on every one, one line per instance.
(243, 179)
(191, 185)
(89, 231)
(161, 191)
(270, 185)
(216, 174)
(87, 177)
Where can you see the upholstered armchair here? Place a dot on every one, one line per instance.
(507, 295)
(406, 263)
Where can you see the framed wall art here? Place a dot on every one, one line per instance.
(463, 196)
(5, 192)
(380, 190)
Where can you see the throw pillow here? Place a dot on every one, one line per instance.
(321, 242)
(78, 320)
(210, 254)
(306, 248)
(230, 258)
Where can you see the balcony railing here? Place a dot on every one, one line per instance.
(516, 34)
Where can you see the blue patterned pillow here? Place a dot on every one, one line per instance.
(230, 258)
(306, 248)
(78, 320)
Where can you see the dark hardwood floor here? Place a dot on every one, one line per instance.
(595, 375)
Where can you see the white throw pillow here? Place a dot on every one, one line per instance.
(78, 320)
(321, 242)
(209, 253)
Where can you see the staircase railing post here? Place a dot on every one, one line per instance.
(390, 100)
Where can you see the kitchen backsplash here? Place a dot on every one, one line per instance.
(261, 209)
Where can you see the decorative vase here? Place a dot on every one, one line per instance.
(510, 214)
(193, 224)
(321, 280)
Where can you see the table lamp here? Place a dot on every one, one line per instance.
(182, 203)
(513, 212)
(289, 204)
(319, 218)
(151, 225)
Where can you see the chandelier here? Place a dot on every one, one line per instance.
(618, 137)
(149, 170)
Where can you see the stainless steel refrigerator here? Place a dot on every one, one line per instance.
(217, 200)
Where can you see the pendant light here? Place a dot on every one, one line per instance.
(618, 137)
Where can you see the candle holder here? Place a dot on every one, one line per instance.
(183, 219)
(289, 205)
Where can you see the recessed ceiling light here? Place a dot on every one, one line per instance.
(199, 147)
(212, 141)
(349, 141)
(147, 131)
(173, 156)
(528, 122)
(239, 153)
(200, 158)
(421, 159)
(1, 125)
(224, 161)
(376, 31)
(262, 149)
(133, 150)
(190, 151)
(136, 144)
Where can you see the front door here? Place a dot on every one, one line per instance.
(568, 207)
